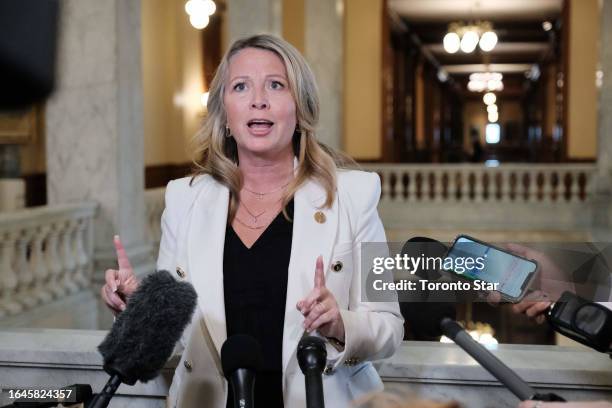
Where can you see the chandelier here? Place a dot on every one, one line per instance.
(199, 12)
(485, 81)
(466, 37)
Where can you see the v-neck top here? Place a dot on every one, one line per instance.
(255, 290)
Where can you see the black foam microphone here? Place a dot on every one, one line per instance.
(312, 356)
(241, 358)
(143, 336)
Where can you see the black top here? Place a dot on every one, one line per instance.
(255, 289)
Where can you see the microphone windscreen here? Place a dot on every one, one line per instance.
(240, 351)
(144, 335)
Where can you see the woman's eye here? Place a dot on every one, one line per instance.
(277, 85)
(240, 86)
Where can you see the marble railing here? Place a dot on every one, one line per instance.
(472, 196)
(45, 253)
(465, 183)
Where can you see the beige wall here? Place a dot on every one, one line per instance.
(363, 79)
(581, 131)
(293, 23)
(172, 81)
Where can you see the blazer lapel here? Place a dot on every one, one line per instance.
(314, 232)
(205, 256)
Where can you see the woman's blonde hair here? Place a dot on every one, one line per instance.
(215, 153)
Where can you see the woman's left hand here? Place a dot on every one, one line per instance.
(320, 308)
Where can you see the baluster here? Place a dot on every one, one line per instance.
(68, 257)
(504, 185)
(25, 276)
(425, 187)
(532, 187)
(574, 187)
(479, 185)
(451, 195)
(438, 185)
(412, 186)
(8, 276)
(465, 186)
(39, 265)
(547, 180)
(53, 262)
(82, 275)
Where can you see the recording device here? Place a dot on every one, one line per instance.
(586, 322)
(241, 358)
(78, 393)
(507, 273)
(143, 336)
(312, 356)
(27, 51)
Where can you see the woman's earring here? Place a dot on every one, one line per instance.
(227, 131)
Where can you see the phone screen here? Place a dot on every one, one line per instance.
(511, 272)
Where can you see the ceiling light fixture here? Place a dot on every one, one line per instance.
(199, 12)
(485, 81)
(468, 36)
(489, 98)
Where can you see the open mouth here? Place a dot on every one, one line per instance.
(259, 123)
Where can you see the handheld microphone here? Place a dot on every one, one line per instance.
(143, 336)
(492, 364)
(241, 358)
(312, 356)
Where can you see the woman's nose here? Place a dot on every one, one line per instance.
(259, 104)
(260, 100)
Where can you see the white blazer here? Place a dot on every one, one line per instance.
(193, 233)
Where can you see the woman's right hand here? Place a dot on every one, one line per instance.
(120, 283)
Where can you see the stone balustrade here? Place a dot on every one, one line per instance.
(154, 204)
(45, 254)
(551, 197)
(466, 183)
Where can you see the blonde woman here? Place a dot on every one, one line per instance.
(268, 231)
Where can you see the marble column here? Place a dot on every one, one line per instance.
(250, 17)
(324, 43)
(94, 126)
(602, 222)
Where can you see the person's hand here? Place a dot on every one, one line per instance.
(120, 283)
(320, 308)
(550, 279)
(577, 404)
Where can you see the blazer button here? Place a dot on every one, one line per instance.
(337, 266)
(329, 369)
(320, 217)
(188, 365)
(180, 272)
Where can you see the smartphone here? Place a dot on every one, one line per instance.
(476, 260)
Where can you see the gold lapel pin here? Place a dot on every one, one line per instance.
(319, 217)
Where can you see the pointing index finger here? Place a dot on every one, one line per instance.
(319, 275)
(122, 259)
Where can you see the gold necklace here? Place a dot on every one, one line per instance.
(259, 195)
(255, 217)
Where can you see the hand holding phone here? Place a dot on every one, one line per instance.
(507, 273)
